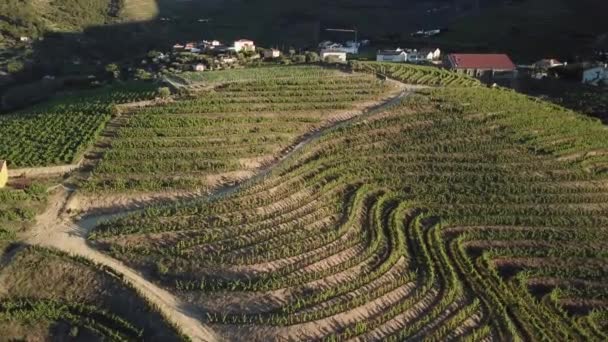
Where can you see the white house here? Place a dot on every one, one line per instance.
(244, 45)
(272, 53)
(429, 54)
(338, 55)
(596, 75)
(397, 55)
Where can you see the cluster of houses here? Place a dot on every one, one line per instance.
(225, 54)
(241, 45)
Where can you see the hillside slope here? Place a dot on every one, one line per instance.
(532, 29)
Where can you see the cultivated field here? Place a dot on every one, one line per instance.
(458, 213)
(417, 74)
(242, 121)
(57, 132)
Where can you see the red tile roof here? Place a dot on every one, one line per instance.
(481, 61)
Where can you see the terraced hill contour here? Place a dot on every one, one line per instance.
(459, 213)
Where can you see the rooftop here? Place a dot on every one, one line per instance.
(481, 61)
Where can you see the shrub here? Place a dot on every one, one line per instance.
(164, 92)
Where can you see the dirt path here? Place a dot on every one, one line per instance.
(54, 228)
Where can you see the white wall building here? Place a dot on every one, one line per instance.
(244, 45)
(596, 75)
(333, 54)
(398, 56)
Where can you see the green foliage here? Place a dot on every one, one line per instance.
(164, 92)
(113, 70)
(14, 67)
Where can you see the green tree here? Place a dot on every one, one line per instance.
(15, 67)
(298, 59)
(113, 70)
(164, 92)
(312, 57)
(141, 74)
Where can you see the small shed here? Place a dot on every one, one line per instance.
(3, 173)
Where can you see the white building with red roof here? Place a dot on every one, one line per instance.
(481, 65)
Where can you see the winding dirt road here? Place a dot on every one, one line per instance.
(55, 228)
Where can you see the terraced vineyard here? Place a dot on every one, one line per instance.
(224, 134)
(417, 74)
(460, 213)
(58, 132)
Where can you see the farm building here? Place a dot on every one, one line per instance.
(329, 55)
(397, 55)
(272, 53)
(483, 66)
(596, 76)
(3, 174)
(244, 45)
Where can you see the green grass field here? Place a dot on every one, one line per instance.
(460, 213)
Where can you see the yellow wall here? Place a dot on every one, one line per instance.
(3, 176)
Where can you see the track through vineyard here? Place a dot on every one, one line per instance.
(55, 229)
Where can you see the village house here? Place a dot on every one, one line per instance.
(596, 76)
(397, 56)
(329, 55)
(178, 47)
(244, 45)
(486, 67)
(3, 174)
(272, 53)
(429, 54)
